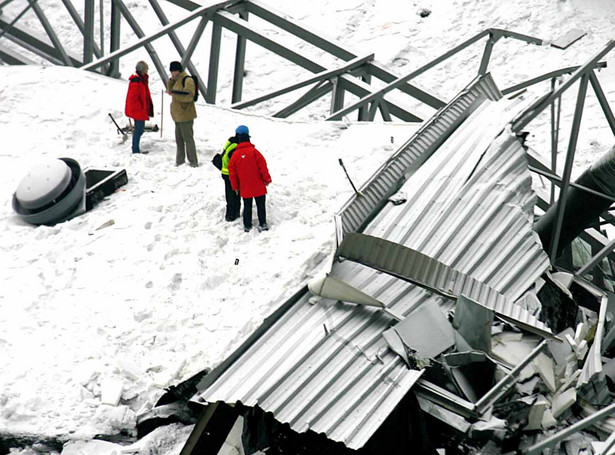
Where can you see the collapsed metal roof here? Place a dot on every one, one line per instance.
(324, 365)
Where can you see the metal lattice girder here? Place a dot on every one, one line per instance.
(572, 146)
(400, 81)
(88, 31)
(185, 53)
(545, 77)
(51, 33)
(240, 62)
(532, 112)
(154, 36)
(241, 27)
(139, 32)
(330, 74)
(319, 90)
(11, 57)
(261, 10)
(214, 63)
(79, 23)
(604, 104)
(35, 43)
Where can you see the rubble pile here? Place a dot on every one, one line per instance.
(490, 387)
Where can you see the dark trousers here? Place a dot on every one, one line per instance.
(260, 209)
(233, 201)
(137, 132)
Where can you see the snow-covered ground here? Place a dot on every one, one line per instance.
(145, 289)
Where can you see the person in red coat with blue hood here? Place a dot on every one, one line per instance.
(139, 105)
(249, 178)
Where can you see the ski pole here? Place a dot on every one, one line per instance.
(161, 111)
(346, 172)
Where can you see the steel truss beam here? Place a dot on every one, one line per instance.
(585, 74)
(233, 16)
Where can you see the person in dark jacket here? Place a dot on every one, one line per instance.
(249, 178)
(139, 105)
(233, 201)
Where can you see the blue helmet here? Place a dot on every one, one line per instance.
(242, 129)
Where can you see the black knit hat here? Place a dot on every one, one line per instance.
(175, 66)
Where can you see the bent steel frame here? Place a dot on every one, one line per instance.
(354, 74)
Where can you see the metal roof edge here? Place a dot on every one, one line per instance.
(269, 321)
(412, 154)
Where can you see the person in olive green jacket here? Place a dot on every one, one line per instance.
(183, 111)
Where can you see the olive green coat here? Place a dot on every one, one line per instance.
(182, 105)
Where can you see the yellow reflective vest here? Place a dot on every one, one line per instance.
(228, 148)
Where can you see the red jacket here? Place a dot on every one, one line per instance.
(139, 105)
(248, 171)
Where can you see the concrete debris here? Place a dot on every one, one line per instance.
(493, 429)
(560, 351)
(535, 416)
(548, 421)
(513, 390)
(111, 392)
(544, 367)
(562, 402)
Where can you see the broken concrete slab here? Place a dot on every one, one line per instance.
(563, 401)
(493, 428)
(564, 278)
(111, 391)
(582, 349)
(580, 332)
(560, 350)
(511, 348)
(528, 387)
(534, 419)
(548, 421)
(544, 366)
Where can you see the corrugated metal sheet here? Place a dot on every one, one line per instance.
(424, 271)
(389, 176)
(324, 366)
(470, 206)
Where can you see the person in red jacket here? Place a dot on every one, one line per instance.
(139, 105)
(249, 178)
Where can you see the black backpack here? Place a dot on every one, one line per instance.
(196, 86)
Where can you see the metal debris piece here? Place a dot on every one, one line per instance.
(593, 363)
(571, 36)
(500, 388)
(473, 321)
(444, 415)
(426, 331)
(417, 268)
(473, 372)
